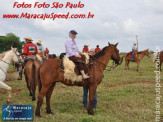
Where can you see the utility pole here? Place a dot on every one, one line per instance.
(137, 41)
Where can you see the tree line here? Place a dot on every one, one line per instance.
(9, 40)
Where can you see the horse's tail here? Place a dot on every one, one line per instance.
(121, 59)
(39, 80)
(33, 74)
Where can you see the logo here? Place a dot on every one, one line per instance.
(17, 112)
(31, 49)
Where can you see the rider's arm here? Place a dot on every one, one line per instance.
(69, 50)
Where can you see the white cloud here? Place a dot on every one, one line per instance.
(131, 26)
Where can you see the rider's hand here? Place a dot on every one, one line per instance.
(80, 52)
(78, 56)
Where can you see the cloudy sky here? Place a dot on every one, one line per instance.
(114, 21)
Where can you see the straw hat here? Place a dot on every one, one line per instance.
(85, 45)
(39, 41)
(134, 43)
(28, 38)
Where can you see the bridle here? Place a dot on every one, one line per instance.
(18, 56)
(9, 63)
(110, 67)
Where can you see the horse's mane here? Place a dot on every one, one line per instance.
(2, 55)
(140, 52)
(101, 53)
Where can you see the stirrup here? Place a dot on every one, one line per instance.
(86, 78)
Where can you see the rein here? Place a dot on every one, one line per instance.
(9, 64)
(110, 67)
(5, 62)
(2, 69)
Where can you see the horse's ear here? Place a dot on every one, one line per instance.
(12, 48)
(116, 44)
(109, 44)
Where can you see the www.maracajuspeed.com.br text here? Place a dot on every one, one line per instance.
(52, 16)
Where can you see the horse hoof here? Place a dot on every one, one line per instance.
(39, 116)
(90, 112)
(33, 99)
(49, 112)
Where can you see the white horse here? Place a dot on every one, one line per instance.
(11, 55)
(2, 55)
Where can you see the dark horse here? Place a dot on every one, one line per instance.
(31, 76)
(50, 73)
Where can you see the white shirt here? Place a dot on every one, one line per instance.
(71, 48)
(134, 47)
(40, 48)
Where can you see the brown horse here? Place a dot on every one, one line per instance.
(31, 76)
(50, 73)
(138, 58)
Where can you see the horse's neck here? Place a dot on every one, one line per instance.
(2, 55)
(141, 56)
(104, 60)
(4, 63)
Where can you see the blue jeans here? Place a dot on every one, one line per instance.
(19, 70)
(28, 58)
(85, 96)
(133, 53)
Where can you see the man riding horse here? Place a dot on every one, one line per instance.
(134, 50)
(29, 50)
(73, 53)
(40, 49)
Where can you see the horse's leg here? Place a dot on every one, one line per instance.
(48, 97)
(42, 93)
(138, 66)
(92, 91)
(4, 86)
(29, 88)
(128, 64)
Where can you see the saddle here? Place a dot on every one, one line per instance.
(71, 71)
(129, 54)
(32, 57)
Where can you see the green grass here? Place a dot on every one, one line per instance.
(123, 96)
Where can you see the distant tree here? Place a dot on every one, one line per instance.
(10, 40)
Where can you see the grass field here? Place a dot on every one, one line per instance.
(123, 96)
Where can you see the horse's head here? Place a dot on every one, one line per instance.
(115, 53)
(15, 55)
(147, 53)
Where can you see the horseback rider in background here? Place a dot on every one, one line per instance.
(134, 49)
(29, 51)
(40, 49)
